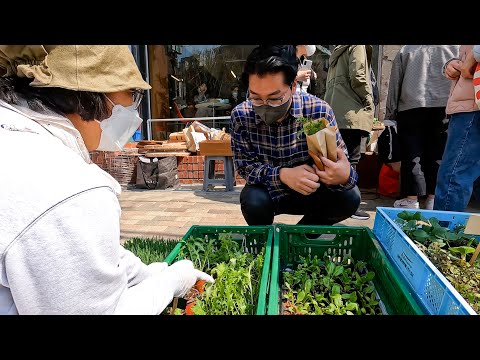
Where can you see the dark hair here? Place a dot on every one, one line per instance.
(271, 59)
(89, 105)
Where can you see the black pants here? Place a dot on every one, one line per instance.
(422, 136)
(323, 207)
(353, 140)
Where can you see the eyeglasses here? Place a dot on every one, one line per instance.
(273, 102)
(137, 95)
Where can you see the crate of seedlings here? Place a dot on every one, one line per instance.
(434, 255)
(150, 250)
(334, 270)
(238, 258)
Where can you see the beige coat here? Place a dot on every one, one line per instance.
(462, 95)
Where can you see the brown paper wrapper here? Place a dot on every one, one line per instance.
(323, 143)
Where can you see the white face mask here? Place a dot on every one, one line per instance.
(118, 128)
(310, 49)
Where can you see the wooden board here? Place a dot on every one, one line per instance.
(166, 153)
(150, 142)
(167, 147)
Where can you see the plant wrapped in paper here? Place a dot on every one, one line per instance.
(321, 139)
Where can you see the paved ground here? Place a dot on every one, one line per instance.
(170, 213)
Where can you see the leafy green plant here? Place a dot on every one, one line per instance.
(325, 287)
(464, 277)
(150, 250)
(310, 126)
(447, 250)
(237, 275)
(428, 231)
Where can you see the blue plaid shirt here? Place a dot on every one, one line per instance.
(261, 150)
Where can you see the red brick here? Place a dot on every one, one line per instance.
(195, 166)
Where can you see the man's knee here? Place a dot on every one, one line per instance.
(352, 199)
(347, 202)
(256, 204)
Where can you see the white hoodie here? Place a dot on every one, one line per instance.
(60, 251)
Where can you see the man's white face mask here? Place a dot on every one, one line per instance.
(119, 127)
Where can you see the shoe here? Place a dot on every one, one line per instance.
(360, 215)
(429, 203)
(406, 203)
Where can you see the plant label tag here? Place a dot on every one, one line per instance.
(473, 225)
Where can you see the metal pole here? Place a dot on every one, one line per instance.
(147, 79)
(149, 129)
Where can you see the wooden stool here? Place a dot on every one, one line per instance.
(209, 177)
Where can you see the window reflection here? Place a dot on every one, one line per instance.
(204, 80)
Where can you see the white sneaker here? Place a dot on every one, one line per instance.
(406, 203)
(429, 203)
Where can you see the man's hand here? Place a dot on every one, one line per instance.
(303, 75)
(453, 69)
(468, 66)
(335, 173)
(300, 178)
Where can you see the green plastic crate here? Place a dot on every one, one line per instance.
(255, 237)
(358, 242)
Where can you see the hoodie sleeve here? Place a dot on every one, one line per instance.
(359, 74)
(394, 86)
(70, 261)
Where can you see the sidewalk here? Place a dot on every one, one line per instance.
(170, 213)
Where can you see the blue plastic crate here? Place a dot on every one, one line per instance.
(433, 290)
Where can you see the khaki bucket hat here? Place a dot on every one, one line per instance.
(95, 68)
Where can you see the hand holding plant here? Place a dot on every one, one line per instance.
(321, 139)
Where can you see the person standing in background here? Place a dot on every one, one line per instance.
(460, 165)
(417, 97)
(306, 77)
(349, 93)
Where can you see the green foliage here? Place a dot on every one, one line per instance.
(464, 277)
(150, 250)
(310, 126)
(325, 287)
(428, 231)
(237, 275)
(447, 250)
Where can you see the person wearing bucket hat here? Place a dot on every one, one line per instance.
(60, 247)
